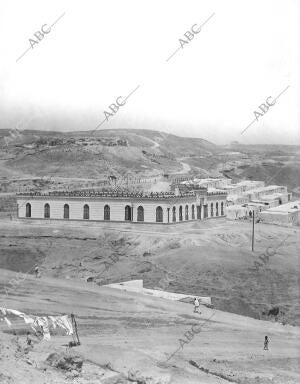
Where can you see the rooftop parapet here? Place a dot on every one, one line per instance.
(93, 193)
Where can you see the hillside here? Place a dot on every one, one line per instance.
(42, 159)
(96, 154)
(211, 258)
(129, 338)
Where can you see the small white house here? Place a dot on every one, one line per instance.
(285, 214)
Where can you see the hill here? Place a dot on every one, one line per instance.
(211, 258)
(82, 159)
(96, 155)
(129, 338)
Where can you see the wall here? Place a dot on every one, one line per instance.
(285, 219)
(137, 286)
(256, 194)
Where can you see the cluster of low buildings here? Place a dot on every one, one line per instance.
(188, 200)
(271, 204)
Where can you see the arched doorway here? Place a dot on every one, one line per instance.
(128, 213)
(174, 214)
(28, 210)
(47, 211)
(186, 212)
(86, 212)
(140, 213)
(66, 211)
(159, 215)
(199, 212)
(106, 212)
(180, 213)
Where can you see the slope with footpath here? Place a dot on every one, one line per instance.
(211, 258)
(126, 338)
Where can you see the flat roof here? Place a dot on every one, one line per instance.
(268, 188)
(231, 186)
(248, 182)
(288, 207)
(272, 196)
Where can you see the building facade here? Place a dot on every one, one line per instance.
(286, 214)
(164, 208)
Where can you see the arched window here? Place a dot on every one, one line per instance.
(128, 213)
(186, 212)
(106, 212)
(180, 213)
(222, 208)
(217, 209)
(28, 210)
(193, 212)
(159, 215)
(66, 211)
(47, 211)
(86, 212)
(140, 213)
(174, 214)
(211, 209)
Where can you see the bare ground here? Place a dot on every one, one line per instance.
(129, 338)
(126, 336)
(211, 258)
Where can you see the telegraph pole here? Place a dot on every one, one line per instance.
(74, 325)
(253, 230)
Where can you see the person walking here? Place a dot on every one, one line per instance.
(36, 271)
(266, 343)
(196, 305)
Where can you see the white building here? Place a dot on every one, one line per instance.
(237, 193)
(257, 193)
(244, 211)
(218, 182)
(122, 207)
(286, 214)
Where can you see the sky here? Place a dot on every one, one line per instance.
(246, 53)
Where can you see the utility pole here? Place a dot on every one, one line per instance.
(253, 230)
(74, 324)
